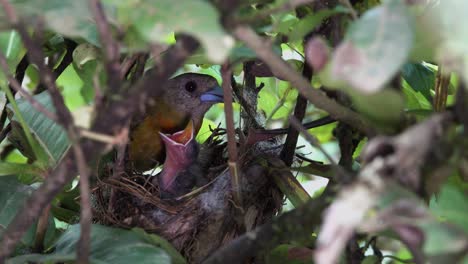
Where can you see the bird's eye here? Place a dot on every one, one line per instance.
(190, 87)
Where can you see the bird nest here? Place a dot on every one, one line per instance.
(203, 220)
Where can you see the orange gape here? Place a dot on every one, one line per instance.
(146, 147)
(188, 97)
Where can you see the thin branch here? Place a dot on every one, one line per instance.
(41, 230)
(127, 64)
(19, 76)
(231, 134)
(17, 87)
(287, 153)
(351, 9)
(247, 96)
(441, 89)
(67, 59)
(110, 46)
(312, 140)
(5, 132)
(139, 68)
(309, 125)
(283, 70)
(84, 242)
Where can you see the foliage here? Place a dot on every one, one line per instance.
(386, 66)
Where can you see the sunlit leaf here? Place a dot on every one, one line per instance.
(7, 168)
(375, 47)
(155, 20)
(420, 78)
(12, 48)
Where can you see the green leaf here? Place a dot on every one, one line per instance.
(448, 22)
(420, 78)
(415, 101)
(375, 47)
(451, 205)
(87, 66)
(241, 53)
(443, 241)
(66, 17)
(65, 206)
(7, 168)
(12, 48)
(22, 132)
(50, 135)
(110, 245)
(156, 20)
(73, 89)
(383, 107)
(162, 243)
(309, 22)
(289, 254)
(13, 194)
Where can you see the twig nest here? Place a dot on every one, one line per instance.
(200, 222)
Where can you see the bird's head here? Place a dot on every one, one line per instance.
(193, 94)
(181, 151)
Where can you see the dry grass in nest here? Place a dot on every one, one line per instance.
(205, 219)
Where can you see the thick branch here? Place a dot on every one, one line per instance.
(293, 225)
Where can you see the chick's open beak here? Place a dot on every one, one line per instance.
(181, 152)
(214, 95)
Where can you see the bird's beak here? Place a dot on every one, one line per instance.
(214, 95)
(181, 152)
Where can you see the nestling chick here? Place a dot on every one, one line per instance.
(181, 171)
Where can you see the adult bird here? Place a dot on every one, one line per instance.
(187, 98)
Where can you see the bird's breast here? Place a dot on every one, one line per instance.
(146, 148)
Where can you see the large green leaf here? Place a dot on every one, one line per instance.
(12, 197)
(375, 47)
(143, 21)
(66, 17)
(110, 245)
(50, 135)
(451, 24)
(156, 20)
(451, 205)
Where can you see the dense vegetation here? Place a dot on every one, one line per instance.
(358, 108)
